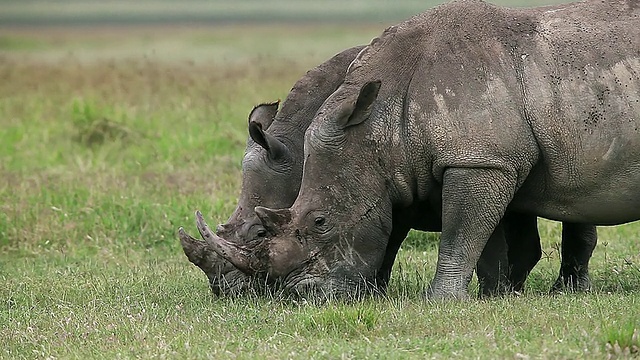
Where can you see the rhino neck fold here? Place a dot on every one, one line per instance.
(401, 160)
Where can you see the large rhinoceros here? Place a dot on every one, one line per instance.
(535, 110)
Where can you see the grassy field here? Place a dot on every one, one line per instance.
(110, 138)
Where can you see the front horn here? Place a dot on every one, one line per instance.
(242, 257)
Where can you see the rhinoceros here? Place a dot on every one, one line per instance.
(492, 109)
(535, 111)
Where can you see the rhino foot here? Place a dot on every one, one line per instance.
(572, 283)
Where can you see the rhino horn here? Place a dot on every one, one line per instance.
(193, 248)
(240, 256)
(200, 254)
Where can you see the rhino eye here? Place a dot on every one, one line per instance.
(320, 220)
(262, 233)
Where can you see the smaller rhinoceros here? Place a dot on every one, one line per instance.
(487, 109)
(271, 171)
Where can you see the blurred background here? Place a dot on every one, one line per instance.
(105, 104)
(217, 12)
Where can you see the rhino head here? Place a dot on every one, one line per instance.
(267, 169)
(332, 240)
(271, 172)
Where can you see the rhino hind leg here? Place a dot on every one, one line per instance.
(523, 242)
(578, 242)
(492, 268)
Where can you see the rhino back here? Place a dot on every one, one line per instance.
(449, 91)
(581, 86)
(306, 97)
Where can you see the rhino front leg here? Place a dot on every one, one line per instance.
(578, 242)
(474, 201)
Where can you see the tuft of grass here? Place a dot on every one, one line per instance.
(622, 340)
(94, 125)
(340, 320)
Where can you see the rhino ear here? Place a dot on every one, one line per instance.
(364, 104)
(264, 114)
(260, 119)
(273, 220)
(276, 149)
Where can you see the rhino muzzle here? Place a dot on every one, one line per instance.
(271, 258)
(242, 257)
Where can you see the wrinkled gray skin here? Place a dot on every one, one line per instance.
(487, 108)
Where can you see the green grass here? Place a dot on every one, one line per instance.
(110, 142)
(151, 304)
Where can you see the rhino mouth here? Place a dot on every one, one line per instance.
(224, 278)
(320, 289)
(247, 258)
